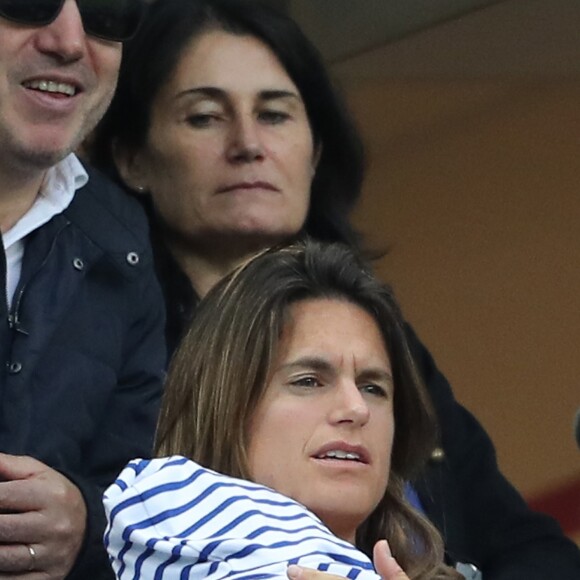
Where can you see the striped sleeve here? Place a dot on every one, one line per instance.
(170, 518)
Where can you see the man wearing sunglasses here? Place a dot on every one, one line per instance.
(81, 324)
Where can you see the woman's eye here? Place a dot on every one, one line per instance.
(274, 117)
(373, 389)
(307, 382)
(201, 120)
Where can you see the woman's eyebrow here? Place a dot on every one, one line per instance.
(315, 363)
(273, 94)
(219, 94)
(209, 92)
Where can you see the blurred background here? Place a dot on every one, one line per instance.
(471, 114)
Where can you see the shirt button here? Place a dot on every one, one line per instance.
(14, 368)
(78, 264)
(132, 258)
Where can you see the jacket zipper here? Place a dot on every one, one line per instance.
(13, 314)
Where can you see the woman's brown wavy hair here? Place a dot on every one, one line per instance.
(220, 371)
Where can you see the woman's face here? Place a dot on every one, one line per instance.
(323, 431)
(229, 152)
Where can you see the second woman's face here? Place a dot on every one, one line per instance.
(230, 151)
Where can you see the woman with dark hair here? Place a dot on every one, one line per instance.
(163, 128)
(226, 123)
(296, 374)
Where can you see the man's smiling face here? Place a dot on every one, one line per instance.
(55, 84)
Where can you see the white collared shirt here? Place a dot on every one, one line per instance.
(56, 193)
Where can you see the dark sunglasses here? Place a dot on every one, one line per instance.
(116, 20)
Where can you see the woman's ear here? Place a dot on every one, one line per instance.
(316, 155)
(130, 166)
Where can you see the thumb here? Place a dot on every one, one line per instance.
(385, 565)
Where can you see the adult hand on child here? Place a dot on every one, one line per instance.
(385, 565)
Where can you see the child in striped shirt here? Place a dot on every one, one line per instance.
(172, 518)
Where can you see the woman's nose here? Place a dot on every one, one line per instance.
(245, 143)
(349, 405)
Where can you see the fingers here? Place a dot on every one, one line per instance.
(42, 509)
(33, 575)
(42, 488)
(34, 494)
(19, 496)
(385, 565)
(298, 573)
(19, 476)
(14, 467)
(17, 528)
(18, 558)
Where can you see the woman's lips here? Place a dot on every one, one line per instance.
(248, 185)
(342, 451)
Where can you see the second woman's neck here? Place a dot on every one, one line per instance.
(206, 268)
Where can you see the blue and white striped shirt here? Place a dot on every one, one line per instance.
(170, 518)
